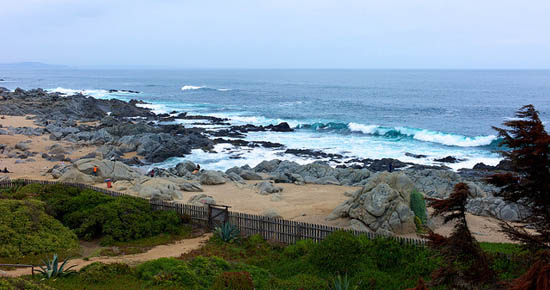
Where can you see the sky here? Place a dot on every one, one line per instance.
(441, 34)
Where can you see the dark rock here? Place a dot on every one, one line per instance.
(312, 153)
(415, 155)
(449, 159)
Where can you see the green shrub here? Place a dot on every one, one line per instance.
(234, 281)
(8, 283)
(418, 206)
(298, 282)
(99, 272)
(26, 230)
(337, 253)
(167, 271)
(301, 249)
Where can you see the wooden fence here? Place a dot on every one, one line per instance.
(276, 229)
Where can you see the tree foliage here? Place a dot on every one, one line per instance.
(466, 265)
(528, 184)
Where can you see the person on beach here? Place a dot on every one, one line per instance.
(95, 170)
(152, 173)
(390, 167)
(5, 170)
(197, 169)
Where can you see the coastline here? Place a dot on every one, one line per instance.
(307, 202)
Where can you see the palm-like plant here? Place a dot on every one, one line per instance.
(227, 232)
(52, 268)
(343, 283)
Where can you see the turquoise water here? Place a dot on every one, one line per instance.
(357, 113)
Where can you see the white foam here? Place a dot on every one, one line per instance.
(425, 135)
(156, 108)
(190, 88)
(69, 92)
(365, 129)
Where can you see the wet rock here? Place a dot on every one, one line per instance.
(449, 159)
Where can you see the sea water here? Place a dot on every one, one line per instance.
(355, 113)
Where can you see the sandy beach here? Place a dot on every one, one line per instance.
(307, 203)
(39, 144)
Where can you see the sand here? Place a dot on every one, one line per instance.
(39, 144)
(306, 203)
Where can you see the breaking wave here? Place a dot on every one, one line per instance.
(424, 135)
(194, 88)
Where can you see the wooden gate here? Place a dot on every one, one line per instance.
(217, 215)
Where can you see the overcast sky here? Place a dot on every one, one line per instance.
(278, 33)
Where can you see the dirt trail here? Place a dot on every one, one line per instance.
(162, 251)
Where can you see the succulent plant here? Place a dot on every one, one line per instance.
(227, 232)
(52, 268)
(343, 283)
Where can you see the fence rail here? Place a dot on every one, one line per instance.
(280, 230)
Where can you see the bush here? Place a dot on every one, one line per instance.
(340, 252)
(234, 280)
(99, 272)
(26, 230)
(167, 271)
(301, 249)
(298, 282)
(8, 283)
(418, 206)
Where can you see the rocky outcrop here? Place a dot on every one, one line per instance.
(381, 206)
(201, 200)
(157, 188)
(496, 207)
(210, 177)
(318, 173)
(266, 188)
(106, 169)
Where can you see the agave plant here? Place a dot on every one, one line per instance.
(52, 268)
(343, 283)
(227, 232)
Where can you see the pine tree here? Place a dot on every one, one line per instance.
(529, 183)
(466, 265)
(529, 186)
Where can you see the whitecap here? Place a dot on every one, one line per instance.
(190, 88)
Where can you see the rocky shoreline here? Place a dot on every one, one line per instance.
(127, 134)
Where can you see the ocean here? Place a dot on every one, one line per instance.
(355, 113)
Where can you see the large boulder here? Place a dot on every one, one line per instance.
(73, 175)
(191, 186)
(266, 187)
(211, 177)
(201, 200)
(115, 170)
(250, 175)
(382, 205)
(157, 188)
(59, 169)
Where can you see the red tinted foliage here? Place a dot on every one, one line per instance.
(466, 265)
(528, 184)
(537, 278)
(420, 285)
